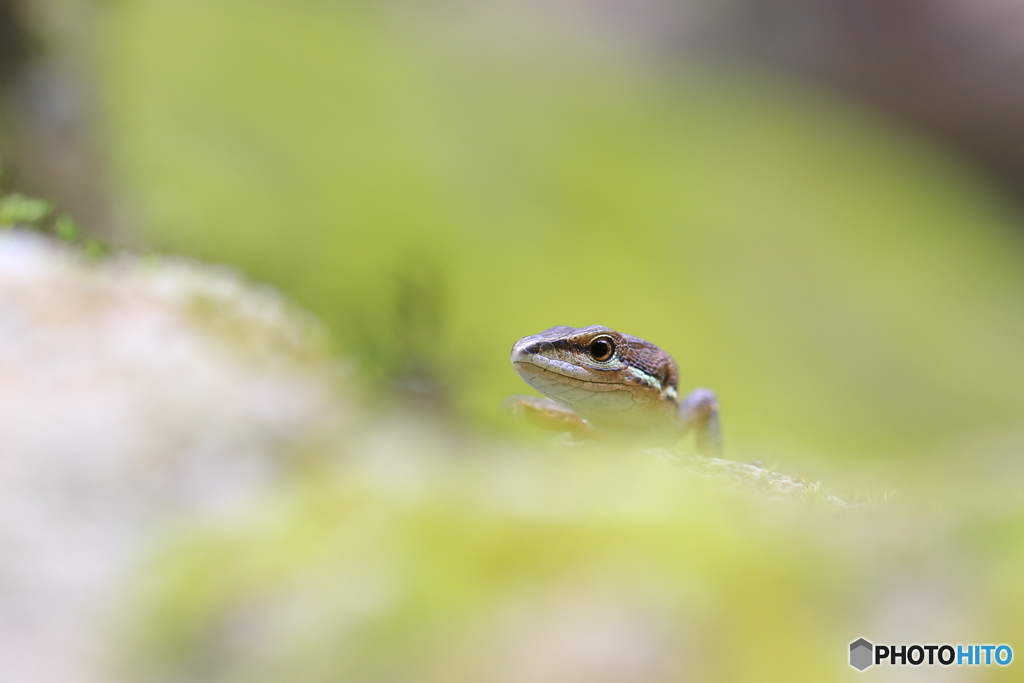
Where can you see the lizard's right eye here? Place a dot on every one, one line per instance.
(601, 349)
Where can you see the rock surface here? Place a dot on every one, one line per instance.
(132, 391)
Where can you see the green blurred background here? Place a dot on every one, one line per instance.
(435, 192)
(437, 181)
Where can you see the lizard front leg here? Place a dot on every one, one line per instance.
(547, 414)
(699, 413)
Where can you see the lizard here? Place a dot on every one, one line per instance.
(597, 380)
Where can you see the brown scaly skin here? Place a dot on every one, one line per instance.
(597, 379)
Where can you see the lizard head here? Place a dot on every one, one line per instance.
(605, 376)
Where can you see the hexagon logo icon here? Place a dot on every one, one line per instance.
(860, 654)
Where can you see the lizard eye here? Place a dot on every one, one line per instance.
(601, 349)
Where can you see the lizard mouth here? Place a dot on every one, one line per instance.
(532, 367)
(534, 364)
(568, 390)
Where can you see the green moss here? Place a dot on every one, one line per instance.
(450, 579)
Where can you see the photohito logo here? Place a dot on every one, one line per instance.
(863, 654)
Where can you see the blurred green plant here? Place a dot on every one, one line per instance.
(67, 229)
(20, 211)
